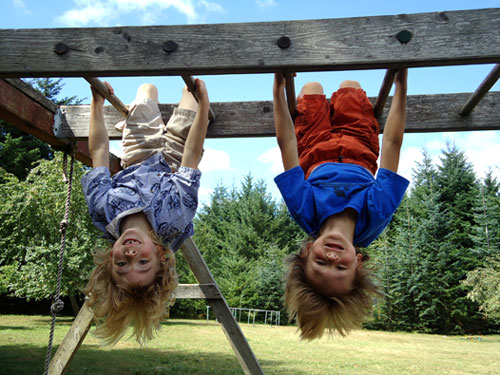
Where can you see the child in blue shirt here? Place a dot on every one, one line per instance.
(329, 158)
(146, 209)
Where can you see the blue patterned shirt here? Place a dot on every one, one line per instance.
(169, 200)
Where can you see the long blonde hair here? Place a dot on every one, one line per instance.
(315, 312)
(116, 306)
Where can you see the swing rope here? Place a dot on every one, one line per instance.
(57, 304)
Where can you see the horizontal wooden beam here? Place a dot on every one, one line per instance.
(26, 109)
(423, 39)
(426, 113)
(197, 291)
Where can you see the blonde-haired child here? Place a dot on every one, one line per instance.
(330, 188)
(146, 209)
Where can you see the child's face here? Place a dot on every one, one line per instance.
(331, 264)
(135, 258)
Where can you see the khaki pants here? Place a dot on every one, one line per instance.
(144, 133)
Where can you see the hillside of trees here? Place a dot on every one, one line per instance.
(438, 261)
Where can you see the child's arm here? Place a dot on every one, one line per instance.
(98, 134)
(285, 130)
(395, 124)
(198, 131)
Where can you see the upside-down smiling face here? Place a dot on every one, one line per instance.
(331, 264)
(135, 258)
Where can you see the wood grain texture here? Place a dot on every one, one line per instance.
(437, 38)
(426, 113)
(231, 329)
(197, 291)
(72, 341)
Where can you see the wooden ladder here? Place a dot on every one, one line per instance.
(206, 289)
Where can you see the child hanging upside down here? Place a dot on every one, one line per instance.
(146, 209)
(334, 192)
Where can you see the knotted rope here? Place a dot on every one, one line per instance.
(57, 304)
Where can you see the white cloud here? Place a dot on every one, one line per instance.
(210, 6)
(214, 160)
(480, 148)
(90, 14)
(107, 13)
(266, 3)
(273, 157)
(204, 195)
(21, 7)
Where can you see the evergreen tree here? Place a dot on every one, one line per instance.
(244, 236)
(432, 244)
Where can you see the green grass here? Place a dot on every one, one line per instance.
(198, 347)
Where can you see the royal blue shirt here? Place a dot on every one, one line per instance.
(333, 187)
(169, 200)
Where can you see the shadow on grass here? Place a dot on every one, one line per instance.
(60, 320)
(192, 323)
(20, 328)
(91, 359)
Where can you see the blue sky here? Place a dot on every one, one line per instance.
(226, 161)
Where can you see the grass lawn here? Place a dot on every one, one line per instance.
(198, 347)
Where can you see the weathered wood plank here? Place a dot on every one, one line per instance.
(197, 291)
(231, 329)
(72, 341)
(82, 323)
(483, 88)
(426, 113)
(24, 108)
(437, 38)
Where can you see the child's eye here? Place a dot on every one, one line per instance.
(121, 264)
(143, 261)
(320, 262)
(342, 268)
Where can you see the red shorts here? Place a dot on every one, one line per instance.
(342, 131)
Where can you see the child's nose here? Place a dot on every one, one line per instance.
(332, 256)
(130, 252)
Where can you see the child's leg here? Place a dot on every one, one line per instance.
(147, 90)
(312, 123)
(311, 88)
(349, 83)
(352, 116)
(178, 129)
(143, 128)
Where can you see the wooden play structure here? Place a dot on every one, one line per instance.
(381, 42)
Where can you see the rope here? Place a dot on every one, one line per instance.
(57, 304)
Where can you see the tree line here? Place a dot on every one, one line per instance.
(438, 261)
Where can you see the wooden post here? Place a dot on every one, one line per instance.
(290, 93)
(191, 85)
(233, 332)
(112, 98)
(72, 340)
(481, 91)
(378, 108)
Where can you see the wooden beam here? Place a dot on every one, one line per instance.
(422, 39)
(191, 85)
(197, 291)
(383, 94)
(426, 113)
(231, 329)
(483, 88)
(26, 109)
(291, 97)
(83, 321)
(112, 98)
(72, 340)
